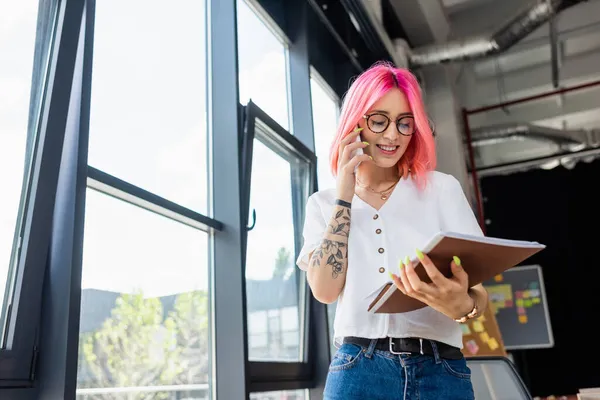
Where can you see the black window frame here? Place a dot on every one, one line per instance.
(52, 80)
(268, 376)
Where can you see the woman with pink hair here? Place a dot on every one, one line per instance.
(361, 234)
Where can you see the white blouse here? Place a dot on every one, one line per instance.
(378, 240)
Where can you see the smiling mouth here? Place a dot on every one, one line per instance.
(388, 150)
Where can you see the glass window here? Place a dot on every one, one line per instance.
(271, 281)
(144, 330)
(17, 47)
(325, 112)
(262, 65)
(281, 395)
(148, 104)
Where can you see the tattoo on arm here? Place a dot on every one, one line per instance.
(335, 249)
(340, 225)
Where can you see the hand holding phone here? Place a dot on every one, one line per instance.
(351, 154)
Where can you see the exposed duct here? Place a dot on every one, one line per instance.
(573, 140)
(480, 46)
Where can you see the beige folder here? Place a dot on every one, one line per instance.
(481, 257)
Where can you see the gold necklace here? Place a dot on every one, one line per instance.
(385, 194)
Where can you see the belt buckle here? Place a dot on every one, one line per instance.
(396, 352)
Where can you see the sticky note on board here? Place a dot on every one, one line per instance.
(521, 310)
(472, 347)
(534, 293)
(528, 303)
(536, 300)
(519, 294)
(526, 294)
(465, 329)
(498, 278)
(533, 285)
(520, 302)
(508, 303)
(523, 319)
(484, 336)
(478, 326)
(493, 343)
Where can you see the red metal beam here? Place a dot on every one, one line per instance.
(478, 197)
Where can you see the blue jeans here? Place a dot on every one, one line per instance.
(369, 374)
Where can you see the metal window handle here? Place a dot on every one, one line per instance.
(249, 228)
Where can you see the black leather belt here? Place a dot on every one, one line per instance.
(409, 345)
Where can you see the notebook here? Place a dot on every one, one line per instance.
(481, 257)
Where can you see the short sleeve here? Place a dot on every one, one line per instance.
(312, 232)
(458, 216)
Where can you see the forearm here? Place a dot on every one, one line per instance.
(329, 261)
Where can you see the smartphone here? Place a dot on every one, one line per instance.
(358, 151)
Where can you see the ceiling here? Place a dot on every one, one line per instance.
(526, 70)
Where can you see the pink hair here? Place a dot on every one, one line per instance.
(420, 157)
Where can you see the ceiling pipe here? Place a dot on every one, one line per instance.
(573, 140)
(480, 46)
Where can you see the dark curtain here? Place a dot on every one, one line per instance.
(560, 208)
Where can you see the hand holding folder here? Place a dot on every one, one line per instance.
(482, 258)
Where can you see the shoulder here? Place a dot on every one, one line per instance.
(438, 183)
(321, 200)
(325, 197)
(441, 181)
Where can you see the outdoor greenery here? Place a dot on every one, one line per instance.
(139, 346)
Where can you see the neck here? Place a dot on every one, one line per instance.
(374, 176)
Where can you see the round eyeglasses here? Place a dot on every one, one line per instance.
(378, 123)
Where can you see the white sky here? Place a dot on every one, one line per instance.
(148, 127)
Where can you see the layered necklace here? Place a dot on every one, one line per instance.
(385, 193)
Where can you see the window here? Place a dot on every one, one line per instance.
(279, 174)
(145, 305)
(325, 118)
(262, 64)
(144, 324)
(325, 109)
(278, 180)
(17, 42)
(148, 105)
(28, 171)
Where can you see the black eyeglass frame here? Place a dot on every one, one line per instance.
(368, 116)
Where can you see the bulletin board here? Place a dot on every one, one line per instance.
(519, 300)
(482, 337)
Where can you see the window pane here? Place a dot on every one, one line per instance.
(262, 65)
(148, 106)
(17, 48)
(301, 394)
(144, 306)
(325, 118)
(272, 287)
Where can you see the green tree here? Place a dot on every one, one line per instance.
(137, 347)
(282, 263)
(189, 319)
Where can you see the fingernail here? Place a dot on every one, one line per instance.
(370, 157)
(367, 143)
(401, 265)
(456, 260)
(420, 254)
(358, 129)
(406, 260)
(391, 276)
